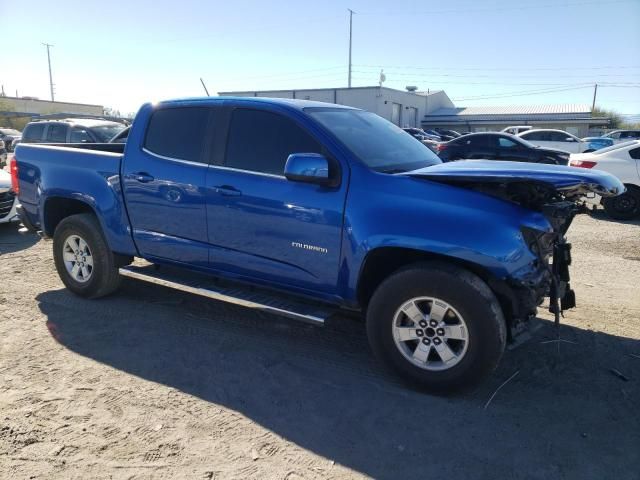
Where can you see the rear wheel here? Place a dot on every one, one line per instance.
(438, 326)
(84, 262)
(625, 206)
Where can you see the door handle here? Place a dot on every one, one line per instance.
(142, 177)
(227, 190)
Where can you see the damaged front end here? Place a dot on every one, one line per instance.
(553, 191)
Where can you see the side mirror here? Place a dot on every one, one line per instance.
(569, 139)
(307, 168)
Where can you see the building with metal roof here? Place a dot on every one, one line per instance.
(433, 109)
(572, 118)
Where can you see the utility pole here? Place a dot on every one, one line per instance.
(48, 45)
(595, 92)
(205, 87)
(351, 12)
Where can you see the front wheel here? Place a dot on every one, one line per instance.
(438, 326)
(625, 206)
(83, 259)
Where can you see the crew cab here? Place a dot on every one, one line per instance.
(306, 209)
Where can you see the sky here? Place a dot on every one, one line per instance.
(496, 52)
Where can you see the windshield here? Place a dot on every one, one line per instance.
(615, 147)
(375, 141)
(10, 131)
(104, 133)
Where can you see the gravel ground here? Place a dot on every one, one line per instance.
(152, 383)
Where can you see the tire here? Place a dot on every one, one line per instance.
(625, 206)
(472, 305)
(102, 278)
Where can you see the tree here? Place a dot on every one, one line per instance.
(616, 120)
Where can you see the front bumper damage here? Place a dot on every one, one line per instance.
(548, 277)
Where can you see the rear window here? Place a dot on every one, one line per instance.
(33, 132)
(178, 132)
(57, 133)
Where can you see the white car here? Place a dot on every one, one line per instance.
(619, 136)
(8, 200)
(558, 139)
(623, 161)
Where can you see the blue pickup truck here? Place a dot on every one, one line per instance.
(306, 209)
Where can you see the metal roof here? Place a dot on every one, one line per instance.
(513, 113)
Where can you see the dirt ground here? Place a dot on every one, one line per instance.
(153, 383)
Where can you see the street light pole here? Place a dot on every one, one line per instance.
(351, 12)
(50, 76)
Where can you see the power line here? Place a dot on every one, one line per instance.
(536, 6)
(523, 93)
(448, 75)
(414, 67)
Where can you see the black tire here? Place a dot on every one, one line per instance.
(462, 290)
(625, 206)
(104, 278)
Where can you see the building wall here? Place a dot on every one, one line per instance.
(28, 106)
(412, 107)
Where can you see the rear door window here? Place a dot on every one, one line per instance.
(535, 136)
(57, 133)
(178, 133)
(507, 143)
(261, 141)
(33, 132)
(477, 141)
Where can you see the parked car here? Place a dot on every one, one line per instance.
(8, 199)
(498, 146)
(10, 136)
(555, 139)
(517, 129)
(596, 143)
(274, 198)
(421, 134)
(619, 136)
(72, 130)
(3, 154)
(447, 135)
(623, 161)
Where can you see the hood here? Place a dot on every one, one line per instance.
(569, 181)
(5, 180)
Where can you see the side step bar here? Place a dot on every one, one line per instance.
(245, 296)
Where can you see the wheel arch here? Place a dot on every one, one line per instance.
(384, 261)
(58, 208)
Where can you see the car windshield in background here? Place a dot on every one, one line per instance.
(9, 131)
(104, 133)
(380, 144)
